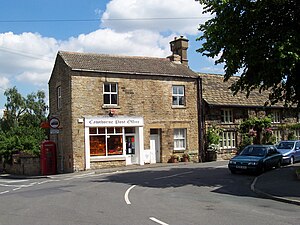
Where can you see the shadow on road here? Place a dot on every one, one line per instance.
(219, 179)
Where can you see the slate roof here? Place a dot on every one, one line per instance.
(216, 92)
(125, 64)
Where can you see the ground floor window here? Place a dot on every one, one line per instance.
(179, 139)
(227, 140)
(108, 141)
(297, 134)
(277, 135)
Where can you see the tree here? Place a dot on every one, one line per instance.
(259, 39)
(20, 126)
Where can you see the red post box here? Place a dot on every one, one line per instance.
(48, 158)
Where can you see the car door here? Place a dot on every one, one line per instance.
(297, 151)
(272, 158)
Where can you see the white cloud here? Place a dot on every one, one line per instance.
(123, 15)
(28, 58)
(138, 42)
(4, 83)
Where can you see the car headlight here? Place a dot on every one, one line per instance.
(252, 163)
(232, 162)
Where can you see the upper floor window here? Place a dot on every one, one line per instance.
(179, 139)
(58, 93)
(110, 94)
(178, 95)
(226, 116)
(276, 117)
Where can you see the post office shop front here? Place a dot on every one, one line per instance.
(113, 140)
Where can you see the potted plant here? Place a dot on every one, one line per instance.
(213, 140)
(174, 158)
(185, 157)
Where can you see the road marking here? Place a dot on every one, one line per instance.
(175, 175)
(12, 181)
(127, 194)
(253, 184)
(158, 221)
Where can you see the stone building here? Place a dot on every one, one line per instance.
(225, 111)
(120, 110)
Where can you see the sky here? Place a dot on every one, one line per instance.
(33, 31)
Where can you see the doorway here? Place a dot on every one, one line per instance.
(155, 143)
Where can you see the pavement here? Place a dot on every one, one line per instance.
(280, 184)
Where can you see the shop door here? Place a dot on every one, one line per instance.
(155, 146)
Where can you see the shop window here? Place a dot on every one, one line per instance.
(129, 130)
(58, 93)
(110, 94)
(115, 144)
(97, 145)
(226, 116)
(227, 140)
(178, 98)
(130, 144)
(106, 141)
(179, 139)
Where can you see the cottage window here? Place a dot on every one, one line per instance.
(277, 135)
(276, 117)
(297, 134)
(226, 116)
(178, 96)
(110, 94)
(227, 140)
(58, 92)
(179, 139)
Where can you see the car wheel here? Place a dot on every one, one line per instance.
(278, 165)
(292, 160)
(233, 171)
(263, 169)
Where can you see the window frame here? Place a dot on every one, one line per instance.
(226, 116)
(110, 93)
(180, 136)
(276, 117)
(59, 97)
(178, 96)
(229, 142)
(109, 132)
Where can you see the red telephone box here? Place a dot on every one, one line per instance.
(48, 158)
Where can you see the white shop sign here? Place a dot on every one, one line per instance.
(118, 121)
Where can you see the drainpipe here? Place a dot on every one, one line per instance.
(200, 119)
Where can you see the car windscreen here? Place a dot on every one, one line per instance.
(254, 151)
(285, 145)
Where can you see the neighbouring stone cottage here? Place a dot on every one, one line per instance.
(225, 111)
(120, 110)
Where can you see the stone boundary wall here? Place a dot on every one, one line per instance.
(23, 165)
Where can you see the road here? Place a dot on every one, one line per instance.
(191, 194)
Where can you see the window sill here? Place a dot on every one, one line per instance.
(178, 107)
(107, 158)
(111, 107)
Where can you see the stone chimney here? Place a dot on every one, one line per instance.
(179, 48)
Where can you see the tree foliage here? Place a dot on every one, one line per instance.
(259, 39)
(20, 126)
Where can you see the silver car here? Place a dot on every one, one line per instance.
(290, 151)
